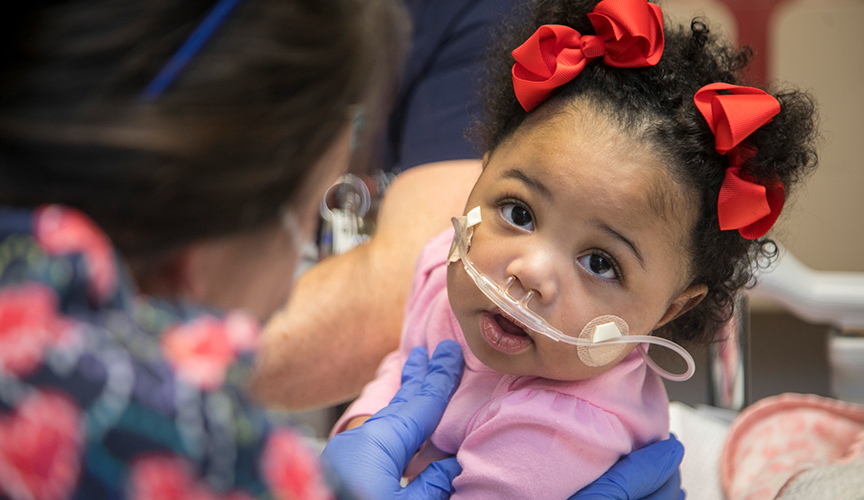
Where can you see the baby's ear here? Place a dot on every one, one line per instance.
(686, 300)
(485, 159)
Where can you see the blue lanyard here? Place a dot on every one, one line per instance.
(188, 50)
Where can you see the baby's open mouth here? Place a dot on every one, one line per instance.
(509, 325)
(504, 333)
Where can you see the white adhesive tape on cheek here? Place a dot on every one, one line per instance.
(474, 217)
(463, 231)
(597, 330)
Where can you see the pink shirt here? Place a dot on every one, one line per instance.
(519, 437)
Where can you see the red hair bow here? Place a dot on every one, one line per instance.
(629, 35)
(733, 113)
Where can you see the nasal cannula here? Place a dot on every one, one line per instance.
(604, 331)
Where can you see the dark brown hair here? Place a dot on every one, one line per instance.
(224, 147)
(655, 104)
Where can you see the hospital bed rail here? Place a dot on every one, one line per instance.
(823, 297)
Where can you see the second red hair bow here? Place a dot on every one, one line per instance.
(733, 113)
(629, 35)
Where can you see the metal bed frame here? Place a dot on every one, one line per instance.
(833, 298)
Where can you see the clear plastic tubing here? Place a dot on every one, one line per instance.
(519, 310)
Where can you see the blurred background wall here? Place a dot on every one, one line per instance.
(817, 45)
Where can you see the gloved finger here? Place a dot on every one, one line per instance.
(601, 489)
(413, 374)
(414, 421)
(670, 490)
(647, 470)
(441, 372)
(445, 371)
(405, 424)
(436, 480)
(638, 474)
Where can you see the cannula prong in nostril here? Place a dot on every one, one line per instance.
(526, 298)
(509, 283)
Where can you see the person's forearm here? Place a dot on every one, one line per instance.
(345, 314)
(312, 352)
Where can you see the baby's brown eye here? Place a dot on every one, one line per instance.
(598, 265)
(517, 215)
(521, 217)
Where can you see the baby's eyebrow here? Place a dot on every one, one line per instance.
(615, 234)
(532, 183)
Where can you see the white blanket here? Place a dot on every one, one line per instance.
(702, 432)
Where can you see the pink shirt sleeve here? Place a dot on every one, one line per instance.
(377, 394)
(388, 379)
(538, 444)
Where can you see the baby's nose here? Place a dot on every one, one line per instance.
(532, 274)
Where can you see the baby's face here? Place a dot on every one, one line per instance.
(589, 219)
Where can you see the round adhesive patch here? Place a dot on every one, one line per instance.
(602, 327)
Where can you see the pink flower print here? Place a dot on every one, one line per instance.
(243, 330)
(60, 230)
(29, 325)
(202, 350)
(40, 448)
(166, 477)
(291, 470)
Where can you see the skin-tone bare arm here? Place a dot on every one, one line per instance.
(345, 314)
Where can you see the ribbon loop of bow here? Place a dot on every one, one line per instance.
(629, 35)
(733, 113)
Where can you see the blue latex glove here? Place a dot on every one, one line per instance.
(647, 474)
(369, 459)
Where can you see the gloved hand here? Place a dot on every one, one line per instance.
(647, 474)
(369, 460)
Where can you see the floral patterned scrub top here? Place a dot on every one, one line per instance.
(107, 394)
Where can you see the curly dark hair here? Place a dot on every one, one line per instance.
(655, 104)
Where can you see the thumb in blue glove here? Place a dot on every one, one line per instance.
(370, 459)
(650, 473)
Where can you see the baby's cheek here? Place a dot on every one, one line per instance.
(457, 289)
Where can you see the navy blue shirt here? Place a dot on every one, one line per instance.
(439, 96)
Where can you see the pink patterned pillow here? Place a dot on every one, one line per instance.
(779, 437)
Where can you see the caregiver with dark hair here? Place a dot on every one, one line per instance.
(160, 162)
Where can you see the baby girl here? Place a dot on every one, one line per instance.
(628, 176)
